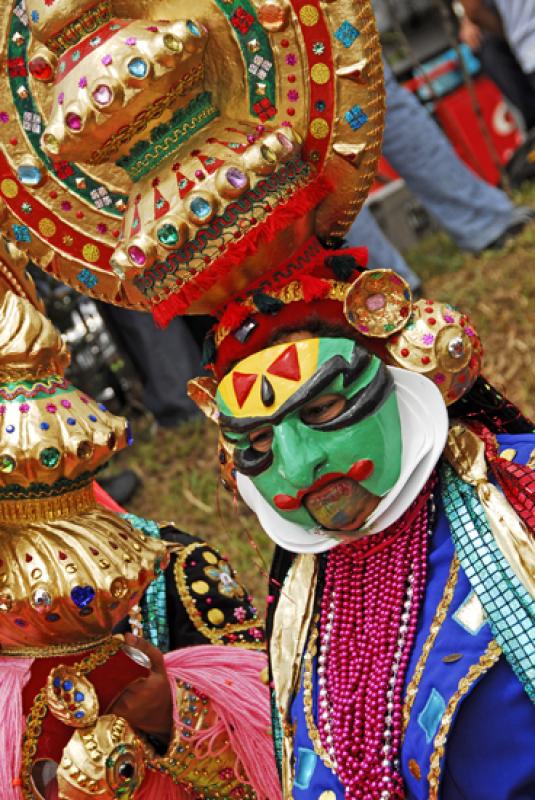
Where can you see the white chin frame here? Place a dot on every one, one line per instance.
(424, 429)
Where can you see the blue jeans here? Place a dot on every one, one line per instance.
(473, 212)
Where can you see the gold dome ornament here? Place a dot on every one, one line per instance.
(53, 438)
(176, 159)
(439, 342)
(69, 570)
(378, 303)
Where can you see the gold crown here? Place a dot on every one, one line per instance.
(52, 437)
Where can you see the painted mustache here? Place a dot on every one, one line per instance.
(360, 471)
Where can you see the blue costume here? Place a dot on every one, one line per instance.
(470, 729)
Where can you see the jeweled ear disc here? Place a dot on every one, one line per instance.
(378, 304)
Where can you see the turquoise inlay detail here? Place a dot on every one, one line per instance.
(356, 117)
(509, 607)
(429, 718)
(278, 736)
(458, 616)
(304, 770)
(154, 602)
(87, 278)
(347, 33)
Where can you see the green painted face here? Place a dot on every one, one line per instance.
(323, 451)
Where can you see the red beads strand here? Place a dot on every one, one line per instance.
(373, 592)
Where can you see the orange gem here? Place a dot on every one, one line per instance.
(414, 769)
(272, 16)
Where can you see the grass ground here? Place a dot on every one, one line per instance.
(180, 468)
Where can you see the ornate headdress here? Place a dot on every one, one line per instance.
(210, 157)
(244, 137)
(210, 145)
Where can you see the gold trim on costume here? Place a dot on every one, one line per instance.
(288, 640)
(211, 771)
(487, 660)
(213, 634)
(52, 650)
(46, 509)
(438, 620)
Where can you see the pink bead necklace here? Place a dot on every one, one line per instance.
(369, 611)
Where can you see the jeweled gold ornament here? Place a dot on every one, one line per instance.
(106, 760)
(49, 431)
(378, 303)
(201, 148)
(439, 342)
(71, 697)
(70, 571)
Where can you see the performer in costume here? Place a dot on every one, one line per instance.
(83, 712)
(250, 133)
(408, 609)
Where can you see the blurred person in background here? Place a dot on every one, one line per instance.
(487, 39)
(475, 214)
(164, 360)
(512, 19)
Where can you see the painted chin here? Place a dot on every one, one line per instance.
(342, 505)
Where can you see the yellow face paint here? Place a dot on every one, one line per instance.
(260, 384)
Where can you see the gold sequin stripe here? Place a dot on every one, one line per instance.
(81, 27)
(52, 650)
(487, 660)
(291, 293)
(438, 620)
(307, 696)
(39, 710)
(211, 633)
(142, 120)
(45, 509)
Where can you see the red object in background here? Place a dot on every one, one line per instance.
(456, 117)
(458, 120)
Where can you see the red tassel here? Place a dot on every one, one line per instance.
(313, 288)
(360, 254)
(283, 216)
(234, 316)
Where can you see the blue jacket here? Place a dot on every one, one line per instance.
(466, 695)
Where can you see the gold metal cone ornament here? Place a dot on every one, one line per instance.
(165, 165)
(69, 570)
(52, 437)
